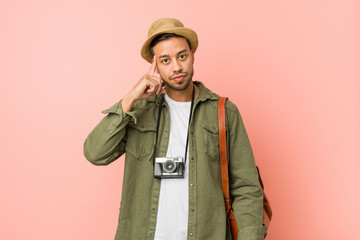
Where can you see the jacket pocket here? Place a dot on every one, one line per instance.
(211, 139)
(140, 139)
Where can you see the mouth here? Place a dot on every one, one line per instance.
(178, 78)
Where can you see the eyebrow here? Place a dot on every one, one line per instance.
(182, 51)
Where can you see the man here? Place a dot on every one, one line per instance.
(162, 129)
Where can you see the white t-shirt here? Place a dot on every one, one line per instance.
(172, 217)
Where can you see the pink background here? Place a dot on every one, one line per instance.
(292, 67)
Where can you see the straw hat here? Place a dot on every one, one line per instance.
(168, 25)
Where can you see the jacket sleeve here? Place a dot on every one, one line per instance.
(107, 141)
(244, 184)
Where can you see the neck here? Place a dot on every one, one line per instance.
(184, 95)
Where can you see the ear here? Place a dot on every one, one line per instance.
(192, 55)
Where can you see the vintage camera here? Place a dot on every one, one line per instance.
(169, 167)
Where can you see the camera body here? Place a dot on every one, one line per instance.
(169, 167)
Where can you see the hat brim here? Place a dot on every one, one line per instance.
(187, 33)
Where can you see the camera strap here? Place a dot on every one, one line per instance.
(158, 124)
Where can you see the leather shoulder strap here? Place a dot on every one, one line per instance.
(223, 152)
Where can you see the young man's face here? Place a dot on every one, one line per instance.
(175, 62)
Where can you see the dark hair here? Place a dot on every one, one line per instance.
(162, 37)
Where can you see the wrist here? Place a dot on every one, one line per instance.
(127, 103)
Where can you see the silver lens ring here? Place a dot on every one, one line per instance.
(169, 166)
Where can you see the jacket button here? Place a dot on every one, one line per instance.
(191, 234)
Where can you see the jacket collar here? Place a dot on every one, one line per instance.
(205, 93)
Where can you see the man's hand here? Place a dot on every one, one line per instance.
(149, 85)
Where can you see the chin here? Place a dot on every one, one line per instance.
(178, 86)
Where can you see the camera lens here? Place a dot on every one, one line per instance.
(169, 166)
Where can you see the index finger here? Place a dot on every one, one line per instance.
(153, 66)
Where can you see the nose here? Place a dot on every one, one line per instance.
(177, 66)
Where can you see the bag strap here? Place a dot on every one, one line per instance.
(223, 153)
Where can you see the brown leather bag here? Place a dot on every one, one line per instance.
(267, 213)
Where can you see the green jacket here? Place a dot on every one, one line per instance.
(133, 133)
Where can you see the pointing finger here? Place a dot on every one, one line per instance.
(153, 66)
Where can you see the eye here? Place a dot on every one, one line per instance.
(165, 60)
(182, 56)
